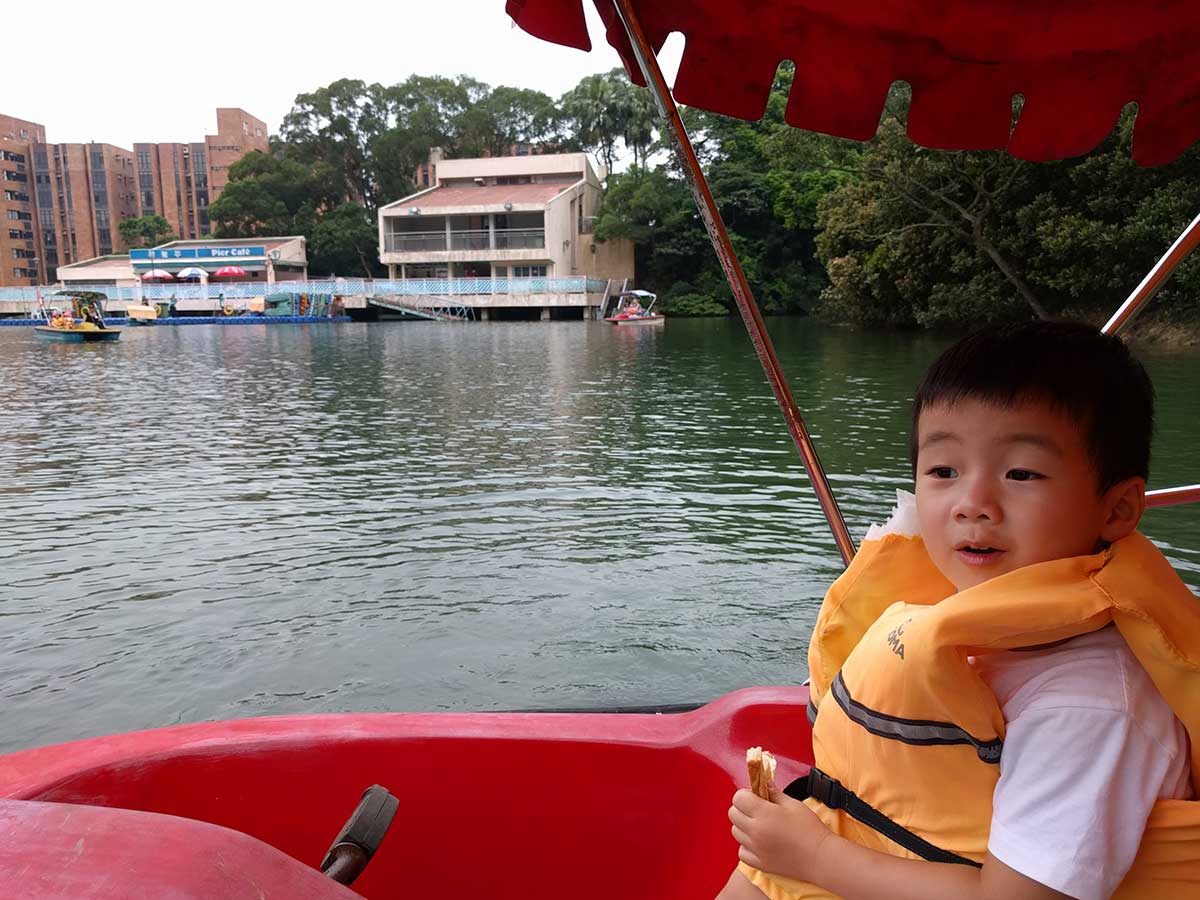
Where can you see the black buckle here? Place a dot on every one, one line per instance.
(825, 790)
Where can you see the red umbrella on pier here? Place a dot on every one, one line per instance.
(229, 272)
(157, 275)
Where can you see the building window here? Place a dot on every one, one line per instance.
(529, 271)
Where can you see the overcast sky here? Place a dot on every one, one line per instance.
(153, 71)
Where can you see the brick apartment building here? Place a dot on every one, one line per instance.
(62, 203)
(18, 215)
(180, 181)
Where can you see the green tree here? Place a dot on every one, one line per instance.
(597, 115)
(344, 242)
(336, 126)
(508, 116)
(270, 196)
(914, 236)
(145, 231)
(673, 254)
(640, 121)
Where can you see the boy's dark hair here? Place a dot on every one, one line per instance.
(1090, 377)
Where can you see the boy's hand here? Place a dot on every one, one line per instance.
(780, 835)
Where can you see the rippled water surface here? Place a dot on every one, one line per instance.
(210, 522)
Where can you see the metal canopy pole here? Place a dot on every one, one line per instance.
(1173, 496)
(733, 272)
(1123, 317)
(1184, 244)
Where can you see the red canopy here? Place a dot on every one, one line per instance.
(1076, 62)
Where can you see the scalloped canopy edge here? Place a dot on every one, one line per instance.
(1077, 63)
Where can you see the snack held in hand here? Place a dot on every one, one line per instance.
(761, 765)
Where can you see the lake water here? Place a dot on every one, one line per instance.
(206, 522)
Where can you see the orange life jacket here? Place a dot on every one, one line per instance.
(904, 722)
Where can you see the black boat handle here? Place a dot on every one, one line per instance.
(361, 836)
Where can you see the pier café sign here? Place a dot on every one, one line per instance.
(196, 253)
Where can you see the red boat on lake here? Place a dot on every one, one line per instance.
(635, 308)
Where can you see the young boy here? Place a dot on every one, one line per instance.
(1030, 444)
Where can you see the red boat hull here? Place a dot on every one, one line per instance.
(498, 805)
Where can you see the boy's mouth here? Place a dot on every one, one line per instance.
(978, 554)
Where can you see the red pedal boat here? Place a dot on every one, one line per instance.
(635, 308)
(593, 805)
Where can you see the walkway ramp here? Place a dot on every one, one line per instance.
(442, 309)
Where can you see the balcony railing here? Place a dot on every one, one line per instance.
(470, 240)
(411, 241)
(476, 239)
(520, 238)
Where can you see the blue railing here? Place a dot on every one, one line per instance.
(343, 287)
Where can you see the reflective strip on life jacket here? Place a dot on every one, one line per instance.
(921, 732)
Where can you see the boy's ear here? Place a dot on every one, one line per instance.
(1124, 504)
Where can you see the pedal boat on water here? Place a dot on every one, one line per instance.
(594, 805)
(635, 308)
(83, 324)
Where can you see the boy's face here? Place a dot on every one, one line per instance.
(1000, 488)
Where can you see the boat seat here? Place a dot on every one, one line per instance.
(66, 851)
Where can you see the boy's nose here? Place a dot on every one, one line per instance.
(976, 502)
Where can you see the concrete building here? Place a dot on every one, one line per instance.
(263, 259)
(104, 271)
(492, 227)
(61, 203)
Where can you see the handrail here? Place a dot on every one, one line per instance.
(746, 303)
(342, 287)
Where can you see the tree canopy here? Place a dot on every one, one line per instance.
(145, 231)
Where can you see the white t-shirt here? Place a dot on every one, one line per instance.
(1090, 744)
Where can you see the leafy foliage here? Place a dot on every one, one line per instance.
(271, 196)
(345, 241)
(145, 231)
(920, 237)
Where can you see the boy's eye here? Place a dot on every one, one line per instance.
(941, 472)
(1023, 475)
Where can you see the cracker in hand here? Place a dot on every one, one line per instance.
(761, 765)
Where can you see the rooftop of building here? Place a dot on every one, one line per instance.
(97, 261)
(267, 242)
(485, 181)
(473, 195)
(538, 164)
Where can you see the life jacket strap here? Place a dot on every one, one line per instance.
(832, 793)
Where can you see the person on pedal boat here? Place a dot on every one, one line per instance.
(1006, 680)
